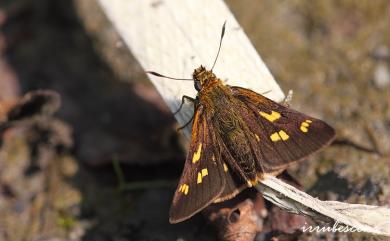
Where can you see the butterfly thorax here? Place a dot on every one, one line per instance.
(224, 109)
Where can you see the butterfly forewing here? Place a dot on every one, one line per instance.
(202, 180)
(281, 135)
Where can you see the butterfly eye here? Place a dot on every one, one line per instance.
(197, 85)
(234, 216)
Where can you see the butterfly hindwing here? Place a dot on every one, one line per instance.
(203, 179)
(282, 134)
(234, 184)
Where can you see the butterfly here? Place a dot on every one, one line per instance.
(238, 136)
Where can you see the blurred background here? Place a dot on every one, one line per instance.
(60, 176)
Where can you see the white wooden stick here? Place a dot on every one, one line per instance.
(366, 218)
(173, 37)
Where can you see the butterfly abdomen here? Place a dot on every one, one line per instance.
(230, 127)
(241, 151)
(236, 143)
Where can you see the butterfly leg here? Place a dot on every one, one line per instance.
(183, 98)
(196, 109)
(186, 124)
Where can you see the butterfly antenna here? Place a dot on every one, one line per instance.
(220, 43)
(163, 76)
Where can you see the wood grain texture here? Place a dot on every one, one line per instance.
(174, 37)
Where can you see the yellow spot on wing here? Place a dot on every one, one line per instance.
(225, 167)
(275, 137)
(270, 117)
(196, 156)
(199, 180)
(204, 172)
(305, 125)
(201, 175)
(257, 137)
(184, 188)
(281, 135)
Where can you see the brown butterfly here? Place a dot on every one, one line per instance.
(238, 136)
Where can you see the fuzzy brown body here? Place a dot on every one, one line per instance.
(226, 116)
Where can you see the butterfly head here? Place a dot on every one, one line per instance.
(202, 77)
